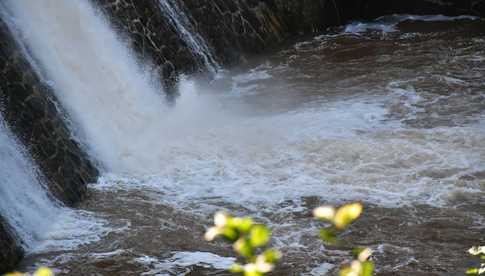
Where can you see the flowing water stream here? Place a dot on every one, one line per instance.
(41, 223)
(390, 113)
(187, 32)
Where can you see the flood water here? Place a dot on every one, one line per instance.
(390, 113)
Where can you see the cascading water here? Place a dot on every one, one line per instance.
(111, 99)
(40, 221)
(197, 44)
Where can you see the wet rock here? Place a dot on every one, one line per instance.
(30, 109)
(11, 252)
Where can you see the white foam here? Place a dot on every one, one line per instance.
(340, 151)
(322, 269)
(185, 260)
(387, 24)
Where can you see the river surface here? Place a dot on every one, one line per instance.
(390, 113)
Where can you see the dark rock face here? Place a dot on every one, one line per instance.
(11, 252)
(150, 34)
(445, 7)
(30, 109)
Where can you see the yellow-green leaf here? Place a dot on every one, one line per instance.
(367, 268)
(272, 255)
(259, 235)
(472, 271)
(347, 214)
(44, 271)
(346, 271)
(328, 236)
(230, 234)
(237, 268)
(245, 225)
(244, 248)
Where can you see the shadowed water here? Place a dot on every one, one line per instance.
(391, 116)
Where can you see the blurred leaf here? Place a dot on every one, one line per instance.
(325, 213)
(472, 271)
(262, 265)
(244, 248)
(246, 225)
(272, 255)
(477, 250)
(251, 270)
(253, 273)
(364, 255)
(230, 234)
(44, 271)
(212, 233)
(356, 251)
(237, 268)
(346, 271)
(259, 235)
(221, 219)
(347, 214)
(328, 236)
(367, 268)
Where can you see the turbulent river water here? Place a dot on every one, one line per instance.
(390, 113)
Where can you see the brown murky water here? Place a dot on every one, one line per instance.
(391, 114)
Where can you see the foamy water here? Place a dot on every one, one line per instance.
(341, 151)
(388, 24)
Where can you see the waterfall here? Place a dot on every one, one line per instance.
(187, 32)
(39, 220)
(23, 201)
(112, 100)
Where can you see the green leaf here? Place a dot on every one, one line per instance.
(367, 268)
(230, 234)
(356, 251)
(245, 225)
(472, 271)
(259, 235)
(272, 256)
(253, 273)
(237, 268)
(347, 214)
(328, 236)
(345, 271)
(244, 248)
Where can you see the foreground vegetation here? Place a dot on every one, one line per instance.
(479, 252)
(250, 241)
